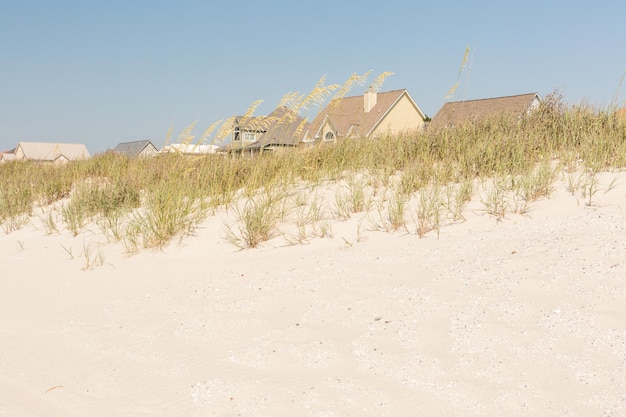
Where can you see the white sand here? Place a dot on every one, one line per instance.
(520, 317)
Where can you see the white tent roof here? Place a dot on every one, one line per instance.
(189, 148)
(50, 151)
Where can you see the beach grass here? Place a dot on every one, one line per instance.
(507, 162)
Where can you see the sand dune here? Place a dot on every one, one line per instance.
(521, 316)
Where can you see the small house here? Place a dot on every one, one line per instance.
(139, 148)
(280, 129)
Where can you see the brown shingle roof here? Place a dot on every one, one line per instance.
(455, 113)
(133, 149)
(348, 113)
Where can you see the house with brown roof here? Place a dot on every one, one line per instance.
(282, 128)
(51, 152)
(370, 115)
(456, 113)
(135, 149)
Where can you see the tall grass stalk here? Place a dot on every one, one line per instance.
(167, 212)
(429, 210)
(257, 221)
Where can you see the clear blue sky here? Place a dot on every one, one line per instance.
(104, 72)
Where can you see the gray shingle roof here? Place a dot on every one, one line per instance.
(282, 127)
(133, 149)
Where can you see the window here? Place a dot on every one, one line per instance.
(329, 136)
(249, 136)
(236, 136)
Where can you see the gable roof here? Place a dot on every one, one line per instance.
(454, 113)
(348, 113)
(251, 124)
(50, 151)
(133, 149)
(7, 155)
(284, 128)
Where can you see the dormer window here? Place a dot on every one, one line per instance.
(236, 134)
(249, 136)
(329, 136)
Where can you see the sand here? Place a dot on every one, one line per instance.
(521, 316)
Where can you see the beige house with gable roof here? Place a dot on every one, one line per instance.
(368, 116)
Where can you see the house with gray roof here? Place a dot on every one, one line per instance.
(138, 148)
(282, 128)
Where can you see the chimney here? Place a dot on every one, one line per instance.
(369, 100)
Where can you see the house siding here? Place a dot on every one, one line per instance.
(327, 128)
(149, 150)
(534, 105)
(402, 117)
(19, 153)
